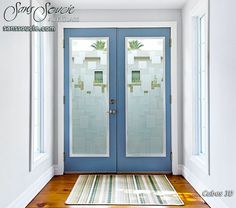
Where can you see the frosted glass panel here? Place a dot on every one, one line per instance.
(145, 97)
(89, 97)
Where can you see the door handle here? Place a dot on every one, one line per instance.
(112, 111)
(112, 101)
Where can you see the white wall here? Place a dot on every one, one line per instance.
(15, 177)
(222, 102)
(136, 16)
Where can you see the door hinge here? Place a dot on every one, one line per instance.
(171, 156)
(64, 156)
(64, 99)
(63, 44)
(170, 42)
(170, 99)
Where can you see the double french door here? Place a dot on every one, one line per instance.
(117, 100)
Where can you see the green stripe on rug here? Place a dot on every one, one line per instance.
(110, 189)
(94, 190)
(156, 188)
(82, 187)
(123, 190)
(141, 197)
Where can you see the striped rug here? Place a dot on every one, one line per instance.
(123, 190)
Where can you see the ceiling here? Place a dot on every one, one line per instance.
(121, 4)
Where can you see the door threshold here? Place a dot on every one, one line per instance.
(145, 173)
(118, 173)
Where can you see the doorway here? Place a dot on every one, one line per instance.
(117, 100)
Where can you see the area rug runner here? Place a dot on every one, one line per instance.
(123, 190)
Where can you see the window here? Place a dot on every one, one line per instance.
(200, 101)
(37, 99)
(98, 77)
(136, 77)
(202, 89)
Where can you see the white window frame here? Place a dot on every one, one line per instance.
(37, 158)
(202, 160)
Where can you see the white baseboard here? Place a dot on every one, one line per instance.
(26, 197)
(58, 170)
(199, 186)
(37, 186)
(180, 169)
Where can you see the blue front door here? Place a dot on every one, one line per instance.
(117, 100)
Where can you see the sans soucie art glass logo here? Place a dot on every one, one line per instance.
(39, 13)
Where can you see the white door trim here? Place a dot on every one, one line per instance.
(174, 82)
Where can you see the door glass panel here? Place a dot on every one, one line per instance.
(89, 97)
(145, 97)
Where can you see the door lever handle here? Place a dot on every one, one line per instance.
(112, 111)
(112, 101)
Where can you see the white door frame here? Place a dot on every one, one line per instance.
(59, 168)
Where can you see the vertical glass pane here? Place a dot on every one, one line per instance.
(203, 29)
(89, 97)
(145, 97)
(202, 86)
(37, 97)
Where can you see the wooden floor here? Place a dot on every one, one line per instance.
(57, 190)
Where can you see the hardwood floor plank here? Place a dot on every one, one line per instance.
(55, 193)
